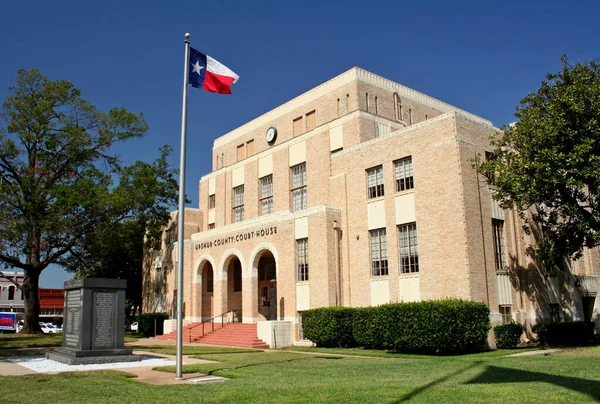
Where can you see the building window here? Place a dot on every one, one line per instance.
(298, 187)
(237, 276)
(211, 201)
(379, 259)
(409, 250)
(211, 226)
(376, 106)
(266, 194)
(302, 248)
(404, 174)
(241, 152)
(11, 293)
(238, 204)
(298, 126)
(410, 116)
(375, 182)
(311, 120)
(249, 148)
(505, 312)
(498, 229)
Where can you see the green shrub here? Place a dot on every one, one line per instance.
(436, 327)
(508, 335)
(573, 333)
(329, 326)
(147, 322)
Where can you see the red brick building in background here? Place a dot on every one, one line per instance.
(52, 302)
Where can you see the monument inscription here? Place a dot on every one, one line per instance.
(103, 314)
(73, 320)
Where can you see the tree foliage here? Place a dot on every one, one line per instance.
(60, 183)
(547, 164)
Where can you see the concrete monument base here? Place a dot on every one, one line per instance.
(77, 357)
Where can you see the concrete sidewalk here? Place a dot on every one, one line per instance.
(143, 374)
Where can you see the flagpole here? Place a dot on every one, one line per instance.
(180, 225)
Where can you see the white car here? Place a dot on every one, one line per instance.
(47, 330)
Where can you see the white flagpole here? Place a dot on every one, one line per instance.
(180, 228)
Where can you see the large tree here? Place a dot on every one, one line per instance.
(60, 182)
(547, 164)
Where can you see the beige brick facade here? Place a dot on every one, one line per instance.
(361, 122)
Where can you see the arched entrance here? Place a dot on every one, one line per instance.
(234, 286)
(207, 290)
(267, 287)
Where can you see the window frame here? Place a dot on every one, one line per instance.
(211, 201)
(302, 274)
(402, 180)
(409, 253)
(499, 246)
(382, 259)
(236, 206)
(378, 188)
(268, 198)
(302, 187)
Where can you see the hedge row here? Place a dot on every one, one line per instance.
(436, 327)
(574, 333)
(147, 322)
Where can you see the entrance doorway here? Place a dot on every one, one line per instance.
(234, 286)
(207, 291)
(267, 287)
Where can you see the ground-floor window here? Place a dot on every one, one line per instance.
(506, 312)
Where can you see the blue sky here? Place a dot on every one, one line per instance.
(481, 56)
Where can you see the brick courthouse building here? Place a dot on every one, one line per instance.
(358, 192)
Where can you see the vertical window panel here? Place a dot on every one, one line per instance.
(409, 250)
(238, 204)
(266, 194)
(375, 182)
(499, 259)
(299, 187)
(302, 259)
(379, 257)
(404, 174)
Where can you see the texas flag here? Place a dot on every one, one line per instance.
(210, 75)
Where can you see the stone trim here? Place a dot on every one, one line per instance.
(356, 73)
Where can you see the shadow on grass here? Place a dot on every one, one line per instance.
(495, 374)
(11, 353)
(421, 389)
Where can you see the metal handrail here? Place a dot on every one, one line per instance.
(226, 319)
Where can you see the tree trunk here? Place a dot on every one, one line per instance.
(31, 300)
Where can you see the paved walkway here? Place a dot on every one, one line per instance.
(143, 374)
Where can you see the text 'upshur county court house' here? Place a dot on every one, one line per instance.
(358, 192)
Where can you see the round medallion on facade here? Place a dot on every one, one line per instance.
(271, 134)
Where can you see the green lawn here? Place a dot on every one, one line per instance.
(284, 376)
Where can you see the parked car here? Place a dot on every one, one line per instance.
(134, 326)
(47, 330)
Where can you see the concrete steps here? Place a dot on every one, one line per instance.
(235, 334)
